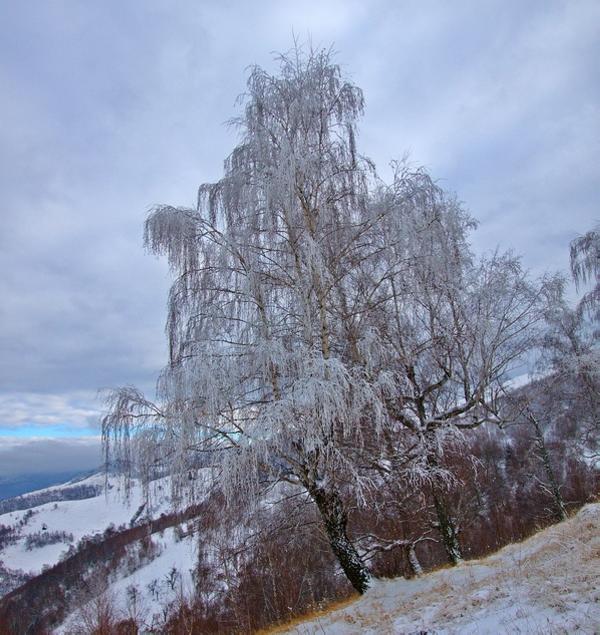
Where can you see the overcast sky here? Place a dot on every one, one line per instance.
(108, 108)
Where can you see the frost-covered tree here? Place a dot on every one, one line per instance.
(260, 371)
(325, 330)
(569, 352)
(585, 268)
(563, 402)
(446, 328)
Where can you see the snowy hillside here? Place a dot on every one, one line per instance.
(549, 583)
(147, 591)
(72, 519)
(147, 551)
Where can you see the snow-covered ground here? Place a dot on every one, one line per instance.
(549, 583)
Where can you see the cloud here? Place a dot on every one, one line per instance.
(110, 108)
(40, 455)
(75, 411)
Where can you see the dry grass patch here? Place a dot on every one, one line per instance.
(548, 583)
(313, 615)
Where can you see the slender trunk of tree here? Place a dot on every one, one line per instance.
(445, 523)
(413, 560)
(447, 528)
(335, 520)
(553, 487)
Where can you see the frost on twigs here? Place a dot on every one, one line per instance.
(585, 268)
(325, 328)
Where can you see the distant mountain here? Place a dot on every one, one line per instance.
(75, 489)
(11, 486)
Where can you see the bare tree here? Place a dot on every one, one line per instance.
(448, 329)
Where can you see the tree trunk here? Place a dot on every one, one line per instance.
(413, 560)
(559, 504)
(335, 520)
(447, 529)
(445, 522)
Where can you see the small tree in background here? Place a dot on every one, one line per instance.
(585, 268)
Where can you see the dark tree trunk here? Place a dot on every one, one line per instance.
(559, 504)
(445, 523)
(447, 529)
(335, 520)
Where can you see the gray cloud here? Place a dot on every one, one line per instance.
(109, 108)
(38, 410)
(43, 455)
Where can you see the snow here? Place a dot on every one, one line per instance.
(549, 583)
(518, 382)
(153, 588)
(151, 583)
(78, 517)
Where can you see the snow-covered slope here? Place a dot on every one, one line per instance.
(148, 592)
(549, 583)
(138, 547)
(75, 519)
